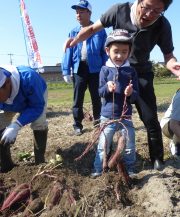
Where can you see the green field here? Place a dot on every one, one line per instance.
(166, 87)
(61, 94)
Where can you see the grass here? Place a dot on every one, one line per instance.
(166, 87)
(61, 94)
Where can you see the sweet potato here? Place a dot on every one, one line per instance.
(33, 207)
(56, 194)
(71, 198)
(117, 155)
(20, 193)
(122, 170)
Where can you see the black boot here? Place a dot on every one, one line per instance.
(40, 140)
(5, 157)
(158, 165)
(156, 150)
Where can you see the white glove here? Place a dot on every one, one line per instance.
(67, 78)
(10, 133)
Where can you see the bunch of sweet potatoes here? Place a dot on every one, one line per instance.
(17, 197)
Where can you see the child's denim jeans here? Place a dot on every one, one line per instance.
(106, 136)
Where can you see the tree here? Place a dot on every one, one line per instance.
(160, 70)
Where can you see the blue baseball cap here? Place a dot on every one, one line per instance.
(82, 4)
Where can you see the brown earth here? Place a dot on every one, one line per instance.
(152, 194)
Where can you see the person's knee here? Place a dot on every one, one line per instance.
(167, 131)
(176, 139)
(39, 126)
(6, 119)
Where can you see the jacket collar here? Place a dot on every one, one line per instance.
(109, 63)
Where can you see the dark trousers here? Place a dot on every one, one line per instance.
(147, 109)
(81, 81)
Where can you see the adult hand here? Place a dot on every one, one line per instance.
(73, 41)
(81, 36)
(175, 68)
(86, 32)
(67, 44)
(10, 133)
(67, 79)
(172, 64)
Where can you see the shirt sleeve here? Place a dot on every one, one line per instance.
(67, 62)
(103, 88)
(33, 92)
(135, 92)
(165, 41)
(109, 17)
(103, 52)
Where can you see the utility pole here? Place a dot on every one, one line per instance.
(10, 55)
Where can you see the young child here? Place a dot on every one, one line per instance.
(117, 80)
(170, 125)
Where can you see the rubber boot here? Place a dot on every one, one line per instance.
(5, 157)
(6, 160)
(40, 141)
(156, 150)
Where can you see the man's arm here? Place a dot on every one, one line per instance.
(172, 64)
(85, 33)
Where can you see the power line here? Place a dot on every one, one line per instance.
(10, 56)
(23, 55)
(20, 59)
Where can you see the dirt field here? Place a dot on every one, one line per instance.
(153, 193)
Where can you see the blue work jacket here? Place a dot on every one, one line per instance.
(29, 101)
(96, 55)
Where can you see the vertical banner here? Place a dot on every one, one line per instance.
(32, 47)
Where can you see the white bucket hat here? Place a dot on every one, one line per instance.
(3, 75)
(2, 78)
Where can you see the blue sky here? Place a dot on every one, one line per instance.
(51, 21)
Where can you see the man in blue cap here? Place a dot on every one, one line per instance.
(85, 61)
(22, 91)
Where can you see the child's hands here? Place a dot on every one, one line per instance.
(111, 86)
(129, 89)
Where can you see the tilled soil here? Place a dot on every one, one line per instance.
(152, 193)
